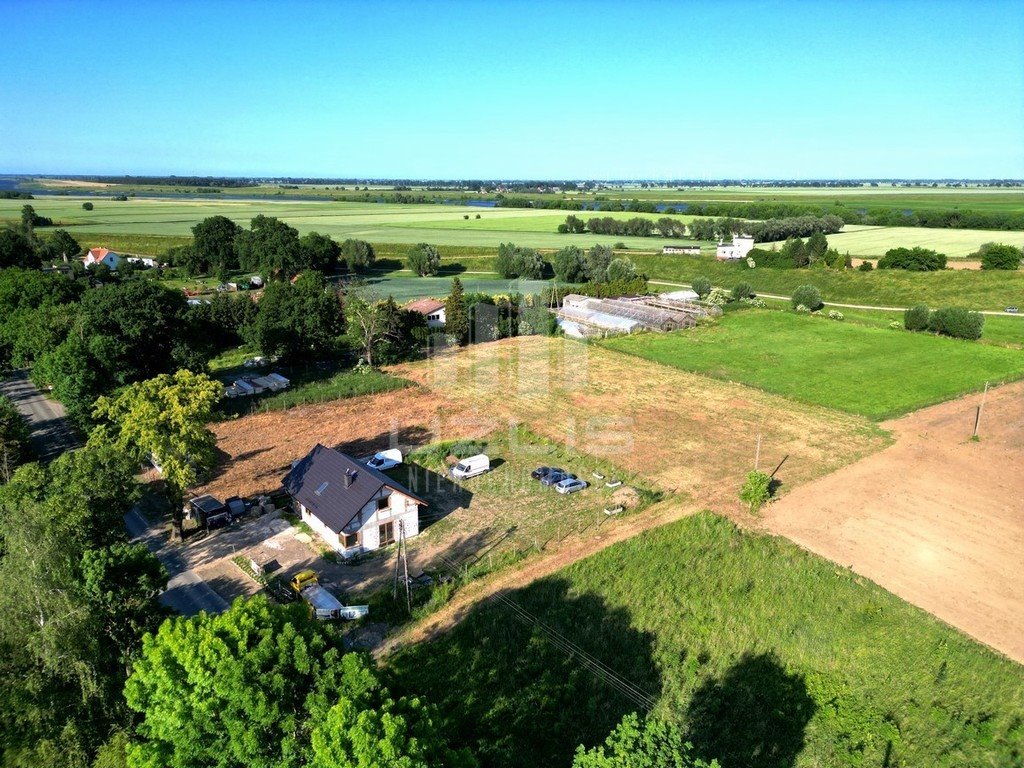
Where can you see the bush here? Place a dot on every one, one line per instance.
(913, 260)
(916, 318)
(803, 309)
(957, 322)
(866, 266)
(835, 314)
(718, 297)
(771, 259)
(997, 256)
(87, 206)
(701, 286)
(756, 490)
(742, 291)
(808, 296)
(621, 269)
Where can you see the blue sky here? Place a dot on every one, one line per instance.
(514, 89)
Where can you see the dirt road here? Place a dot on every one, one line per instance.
(935, 518)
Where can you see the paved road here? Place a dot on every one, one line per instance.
(50, 432)
(186, 592)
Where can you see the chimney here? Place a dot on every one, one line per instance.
(350, 477)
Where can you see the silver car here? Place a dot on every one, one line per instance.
(571, 485)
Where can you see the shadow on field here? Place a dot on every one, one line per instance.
(442, 494)
(753, 716)
(506, 691)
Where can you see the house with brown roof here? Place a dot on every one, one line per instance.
(353, 507)
(432, 309)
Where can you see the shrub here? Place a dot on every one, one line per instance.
(701, 286)
(478, 216)
(465, 216)
(835, 314)
(756, 490)
(803, 309)
(808, 296)
(87, 206)
(997, 256)
(895, 325)
(771, 259)
(620, 246)
(957, 322)
(718, 297)
(912, 259)
(916, 318)
(742, 291)
(866, 266)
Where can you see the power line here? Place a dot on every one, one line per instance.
(594, 665)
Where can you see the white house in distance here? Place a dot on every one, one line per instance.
(103, 256)
(432, 309)
(738, 249)
(352, 507)
(689, 250)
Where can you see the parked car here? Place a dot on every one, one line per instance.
(1012, 310)
(471, 467)
(385, 459)
(554, 478)
(571, 485)
(541, 472)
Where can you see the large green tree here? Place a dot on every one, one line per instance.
(14, 445)
(165, 418)
(596, 264)
(456, 313)
(424, 260)
(269, 246)
(249, 687)
(61, 246)
(76, 599)
(300, 321)
(213, 246)
(383, 332)
(16, 250)
(647, 743)
(1000, 256)
(357, 254)
(318, 252)
(570, 265)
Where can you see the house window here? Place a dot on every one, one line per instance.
(349, 540)
(386, 533)
(383, 503)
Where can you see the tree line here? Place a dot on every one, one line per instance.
(704, 229)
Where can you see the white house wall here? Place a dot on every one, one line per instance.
(400, 509)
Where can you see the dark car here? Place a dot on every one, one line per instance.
(554, 478)
(541, 472)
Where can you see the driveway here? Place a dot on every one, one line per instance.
(186, 592)
(51, 434)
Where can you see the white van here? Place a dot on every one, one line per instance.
(471, 467)
(385, 459)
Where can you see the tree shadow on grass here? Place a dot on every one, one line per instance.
(753, 716)
(506, 690)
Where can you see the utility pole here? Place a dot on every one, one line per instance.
(977, 417)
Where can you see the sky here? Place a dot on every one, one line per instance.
(514, 90)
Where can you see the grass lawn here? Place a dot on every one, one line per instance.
(765, 654)
(309, 384)
(875, 372)
(955, 243)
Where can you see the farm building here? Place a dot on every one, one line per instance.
(432, 309)
(738, 249)
(689, 250)
(584, 316)
(352, 507)
(103, 256)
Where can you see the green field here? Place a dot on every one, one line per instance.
(377, 223)
(439, 224)
(974, 289)
(765, 654)
(955, 243)
(875, 372)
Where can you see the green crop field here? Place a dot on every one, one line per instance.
(975, 289)
(955, 243)
(765, 655)
(875, 372)
(377, 223)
